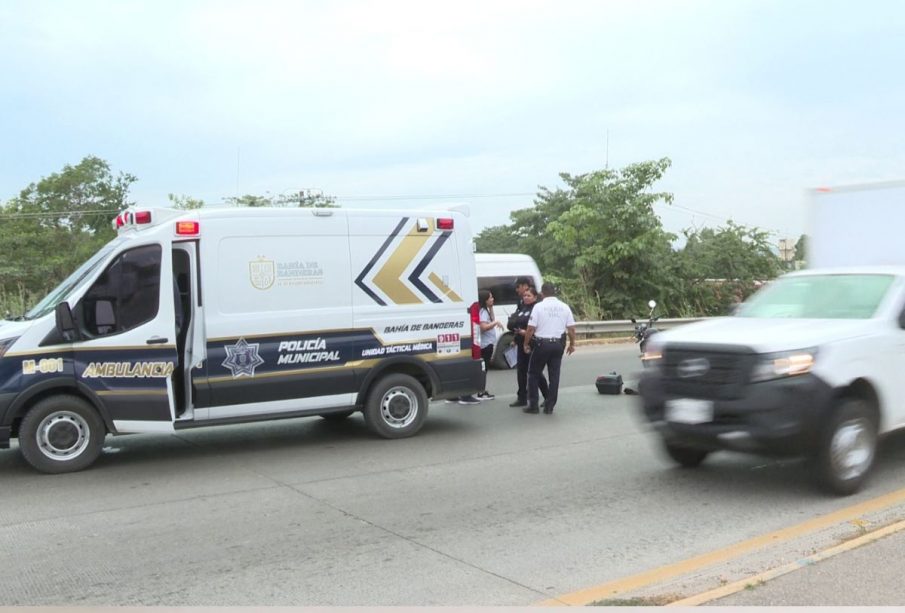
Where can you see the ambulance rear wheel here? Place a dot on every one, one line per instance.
(396, 406)
(61, 434)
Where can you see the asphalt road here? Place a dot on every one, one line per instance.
(486, 506)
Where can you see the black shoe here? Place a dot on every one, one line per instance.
(548, 411)
(519, 403)
(530, 410)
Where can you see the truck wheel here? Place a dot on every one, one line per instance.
(499, 358)
(687, 457)
(61, 434)
(847, 448)
(337, 417)
(396, 406)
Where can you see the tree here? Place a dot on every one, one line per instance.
(249, 200)
(801, 249)
(497, 239)
(301, 199)
(600, 237)
(183, 202)
(717, 263)
(58, 222)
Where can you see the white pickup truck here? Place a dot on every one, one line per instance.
(813, 364)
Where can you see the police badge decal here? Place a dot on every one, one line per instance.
(242, 358)
(262, 273)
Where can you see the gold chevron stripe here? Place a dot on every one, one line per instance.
(444, 288)
(389, 279)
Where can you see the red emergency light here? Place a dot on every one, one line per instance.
(188, 228)
(445, 223)
(143, 217)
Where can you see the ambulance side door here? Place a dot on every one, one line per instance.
(126, 352)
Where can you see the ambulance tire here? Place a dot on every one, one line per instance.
(396, 406)
(61, 434)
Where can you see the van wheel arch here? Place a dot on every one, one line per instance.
(403, 366)
(67, 387)
(863, 390)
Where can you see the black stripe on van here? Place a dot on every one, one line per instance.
(359, 280)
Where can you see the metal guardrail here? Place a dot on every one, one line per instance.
(590, 329)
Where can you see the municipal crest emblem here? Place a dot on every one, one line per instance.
(242, 358)
(262, 273)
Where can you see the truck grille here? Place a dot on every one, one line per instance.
(706, 374)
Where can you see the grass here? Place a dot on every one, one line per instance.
(639, 601)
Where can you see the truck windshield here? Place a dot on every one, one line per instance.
(843, 296)
(59, 293)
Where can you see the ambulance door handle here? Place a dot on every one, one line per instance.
(157, 340)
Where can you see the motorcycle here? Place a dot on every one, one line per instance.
(645, 329)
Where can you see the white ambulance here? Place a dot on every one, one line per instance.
(220, 316)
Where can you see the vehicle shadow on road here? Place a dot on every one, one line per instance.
(306, 435)
(739, 474)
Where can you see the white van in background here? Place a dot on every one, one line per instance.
(497, 272)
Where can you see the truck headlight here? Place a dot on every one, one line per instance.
(784, 364)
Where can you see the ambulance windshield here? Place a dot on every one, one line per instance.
(61, 291)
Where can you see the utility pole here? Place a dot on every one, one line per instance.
(237, 172)
(607, 163)
(786, 250)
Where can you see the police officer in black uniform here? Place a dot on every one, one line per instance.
(518, 324)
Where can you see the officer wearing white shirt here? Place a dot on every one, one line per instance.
(549, 322)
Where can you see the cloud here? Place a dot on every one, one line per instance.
(753, 100)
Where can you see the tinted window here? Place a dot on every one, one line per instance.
(125, 295)
(502, 288)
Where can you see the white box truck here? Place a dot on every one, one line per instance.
(812, 364)
(196, 318)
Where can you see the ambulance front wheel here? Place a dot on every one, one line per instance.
(396, 406)
(61, 434)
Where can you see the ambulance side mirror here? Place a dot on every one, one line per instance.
(65, 322)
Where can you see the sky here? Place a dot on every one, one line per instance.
(398, 104)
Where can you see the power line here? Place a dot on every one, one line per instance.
(433, 196)
(55, 214)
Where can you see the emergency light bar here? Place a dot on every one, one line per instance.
(129, 218)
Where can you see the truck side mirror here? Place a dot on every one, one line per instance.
(65, 322)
